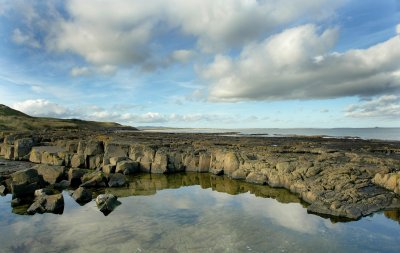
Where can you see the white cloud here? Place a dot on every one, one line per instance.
(398, 29)
(80, 71)
(182, 55)
(117, 113)
(296, 64)
(43, 108)
(387, 106)
(24, 39)
(229, 23)
(126, 32)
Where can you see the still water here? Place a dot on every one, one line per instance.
(194, 213)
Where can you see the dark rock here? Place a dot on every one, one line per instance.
(75, 175)
(22, 147)
(82, 195)
(117, 180)
(16, 202)
(25, 182)
(107, 203)
(63, 184)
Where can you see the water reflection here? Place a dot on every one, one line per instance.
(193, 213)
(149, 184)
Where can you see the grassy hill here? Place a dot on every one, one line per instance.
(13, 120)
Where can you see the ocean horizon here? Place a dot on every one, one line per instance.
(375, 133)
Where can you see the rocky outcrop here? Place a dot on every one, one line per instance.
(336, 177)
(390, 181)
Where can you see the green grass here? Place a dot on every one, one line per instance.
(13, 120)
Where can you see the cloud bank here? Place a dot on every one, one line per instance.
(297, 64)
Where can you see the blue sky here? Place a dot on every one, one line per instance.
(204, 63)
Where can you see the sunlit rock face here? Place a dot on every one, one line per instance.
(338, 177)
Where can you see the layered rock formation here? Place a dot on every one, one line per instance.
(338, 177)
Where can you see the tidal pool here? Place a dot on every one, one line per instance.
(194, 213)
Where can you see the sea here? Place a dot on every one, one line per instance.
(376, 133)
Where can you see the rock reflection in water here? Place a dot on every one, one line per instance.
(193, 213)
(149, 184)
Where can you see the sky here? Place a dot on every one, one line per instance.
(204, 63)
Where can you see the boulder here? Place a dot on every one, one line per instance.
(50, 173)
(117, 180)
(116, 159)
(231, 163)
(112, 149)
(38, 206)
(9, 139)
(144, 155)
(94, 162)
(3, 190)
(75, 175)
(94, 148)
(55, 203)
(47, 155)
(160, 164)
(25, 182)
(108, 169)
(2, 149)
(127, 167)
(77, 161)
(63, 184)
(107, 203)
(47, 204)
(239, 174)
(204, 162)
(191, 162)
(94, 179)
(217, 163)
(35, 156)
(43, 192)
(82, 195)
(22, 147)
(8, 151)
(257, 178)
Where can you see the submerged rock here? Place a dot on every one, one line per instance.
(107, 203)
